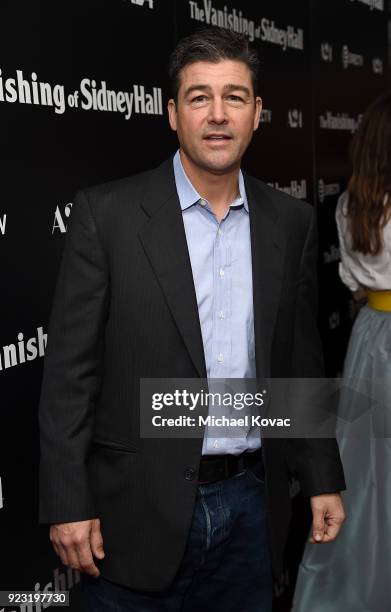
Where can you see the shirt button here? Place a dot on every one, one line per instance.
(202, 202)
(220, 357)
(219, 231)
(221, 314)
(221, 272)
(189, 473)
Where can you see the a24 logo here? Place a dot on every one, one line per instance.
(295, 118)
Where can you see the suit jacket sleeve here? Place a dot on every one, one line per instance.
(315, 462)
(72, 367)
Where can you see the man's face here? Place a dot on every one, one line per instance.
(216, 113)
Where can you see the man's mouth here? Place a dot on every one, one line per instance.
(217, 137)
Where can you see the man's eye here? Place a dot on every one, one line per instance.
(199, 99)
(235, 98)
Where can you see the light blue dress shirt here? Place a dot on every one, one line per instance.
(220, 256)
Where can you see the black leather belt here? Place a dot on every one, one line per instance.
(218, 467)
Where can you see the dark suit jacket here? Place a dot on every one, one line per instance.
(125, 308)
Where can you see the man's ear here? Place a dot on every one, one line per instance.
(258, 110)
(171, 107)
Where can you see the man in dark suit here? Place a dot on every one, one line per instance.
(191, 270)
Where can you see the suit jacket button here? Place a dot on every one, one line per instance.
(189, 474)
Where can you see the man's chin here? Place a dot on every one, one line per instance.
(219, 164)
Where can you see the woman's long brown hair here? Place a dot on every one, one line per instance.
(369, 206)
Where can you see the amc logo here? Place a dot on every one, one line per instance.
(321, 190)
(345, 56)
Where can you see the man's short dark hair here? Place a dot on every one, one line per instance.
(212, 45)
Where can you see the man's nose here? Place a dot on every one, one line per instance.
(217, 113)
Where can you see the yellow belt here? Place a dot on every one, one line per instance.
(379, 300)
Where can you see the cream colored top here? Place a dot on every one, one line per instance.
(355, 269)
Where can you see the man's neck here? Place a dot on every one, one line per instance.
(219, 189)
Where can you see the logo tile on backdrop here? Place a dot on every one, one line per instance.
(23, 350)
(288, 37)
(91, 95)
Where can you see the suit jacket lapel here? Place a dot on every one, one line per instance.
(164, 241)
(267, 248)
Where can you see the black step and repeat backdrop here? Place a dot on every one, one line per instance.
(83, 94)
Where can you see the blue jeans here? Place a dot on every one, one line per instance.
(226, 564)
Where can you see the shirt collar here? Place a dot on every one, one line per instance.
(187, 193)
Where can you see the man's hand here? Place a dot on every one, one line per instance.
(75, 543)
(328, 514)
